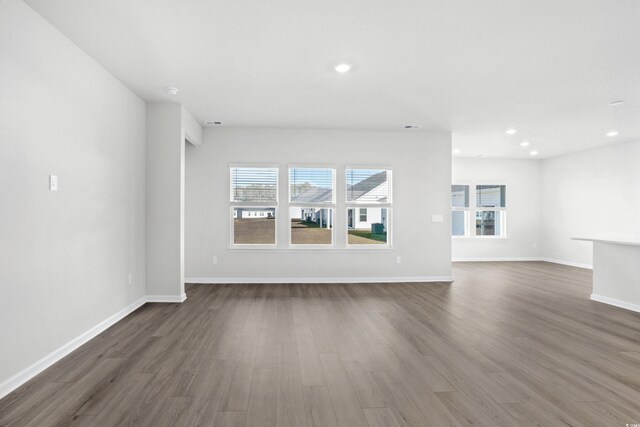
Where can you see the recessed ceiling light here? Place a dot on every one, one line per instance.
(525, 143)
(456, 151)
(342, 68)
(533, 153)
(616, 103)
(511, 131)
(172, 90)
(612, 133)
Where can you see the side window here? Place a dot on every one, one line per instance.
(254, 202)
(369, 204)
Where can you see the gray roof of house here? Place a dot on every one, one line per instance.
(314, 195)
(358, 190)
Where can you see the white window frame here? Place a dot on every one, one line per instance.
(332, 206)
(233, 205)
(470, 218)
(467, 211)
(356, 205)
(476, 208)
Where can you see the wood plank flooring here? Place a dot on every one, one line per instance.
(507, 344)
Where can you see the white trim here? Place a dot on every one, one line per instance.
(221, 280)
(616, 302)
(26, 374)
(354, 248)
(255, 165)
(496, 259)
(166, 298)
(569, 263)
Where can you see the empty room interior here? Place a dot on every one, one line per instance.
(337, 213)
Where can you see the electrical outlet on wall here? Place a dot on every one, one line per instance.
(214, 259)
(398, 260)
(130, 278)
(534, 245)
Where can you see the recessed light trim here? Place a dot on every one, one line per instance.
(612, 133)
(525, 144)
(412, 126)
(511, 131)
(533, 153)
(172, 90)
(616, 103)
(343, 68)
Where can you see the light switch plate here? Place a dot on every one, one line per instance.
(53, 182)
(437, 218)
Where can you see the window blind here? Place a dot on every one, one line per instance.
(311, 185)
(458, 220)
(368, 186)
(460, 196)
(491, 196)
(254, 184)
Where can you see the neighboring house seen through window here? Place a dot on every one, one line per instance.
(368, 224)
(311, 205)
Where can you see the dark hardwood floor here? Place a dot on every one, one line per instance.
(507, 344)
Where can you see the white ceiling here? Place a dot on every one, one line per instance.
(546, 67)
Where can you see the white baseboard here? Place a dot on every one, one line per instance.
(166, 298)
(221, 280)
(496, 259)
(616, 302)
(42, 364)
(569, 263)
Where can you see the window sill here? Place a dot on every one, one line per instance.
(479, 238)
(385, 249)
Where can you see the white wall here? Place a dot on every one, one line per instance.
(165, 171)
(421, 165)
(65, 256)
(193, 131)
(524, 211)
(593, 193)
